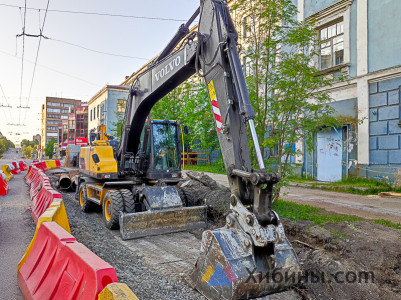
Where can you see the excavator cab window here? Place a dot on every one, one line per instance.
(165, 145)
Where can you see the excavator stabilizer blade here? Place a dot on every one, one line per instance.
(229, 269)
(136, 225)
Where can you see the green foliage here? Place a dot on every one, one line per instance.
(28, 151)
(189, 104)
(360, 186)
(213, 168)
(284, 87)
(319, 216)
(27, 143)
(49, 148)
(5, 144)
(118, 125)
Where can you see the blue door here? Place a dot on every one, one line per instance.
(329, 155)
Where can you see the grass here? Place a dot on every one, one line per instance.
(360, 186)
(318, 216)
(213, 168)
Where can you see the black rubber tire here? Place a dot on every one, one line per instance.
(129, 202)
(117, 206)
(84, 203)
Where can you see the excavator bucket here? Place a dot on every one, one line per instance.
(230, 269)
(164, 214)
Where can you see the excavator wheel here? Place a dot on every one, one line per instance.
(129, 202)
(113, 204)
(84, 203)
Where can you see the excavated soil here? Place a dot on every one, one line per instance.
(360, 260)
(335, 258)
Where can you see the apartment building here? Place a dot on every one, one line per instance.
(359, 39)
(106, 105)
(54, 111)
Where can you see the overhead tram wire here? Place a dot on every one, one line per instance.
(22, 64)
(8, 105)
(53, 70)
(99, 14)
(96, 51)
(36, 59)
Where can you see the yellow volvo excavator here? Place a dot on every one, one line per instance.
(134, 181)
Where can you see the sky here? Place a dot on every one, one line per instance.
(68, 71)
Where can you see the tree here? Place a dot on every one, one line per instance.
(28, 151)
(189, 104)
(49, 148)
(284, 86)
(118, 125)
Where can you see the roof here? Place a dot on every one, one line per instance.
(121, 87)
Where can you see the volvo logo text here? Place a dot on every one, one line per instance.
(168, 68)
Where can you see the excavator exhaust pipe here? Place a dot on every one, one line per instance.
(231, 267)
(165, 214)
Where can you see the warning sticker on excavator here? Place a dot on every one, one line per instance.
(212, 91)
(215, 105)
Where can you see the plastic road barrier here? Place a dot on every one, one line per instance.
(117, 291)
(55, 213)
(51, 164)
(22, 165)
(3, 184)
(16, 169)
(6, 169)
(59, 267)
(43, 200)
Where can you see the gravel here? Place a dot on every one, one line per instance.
(89, 230)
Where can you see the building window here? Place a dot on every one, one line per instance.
(54, 128)
(54, 110)
(65, 111)
(53, 104)
(53, 116)
(68, 105)
(121, 104)
(64, 117)
(52, 134)
(331, 52)
(98, 108)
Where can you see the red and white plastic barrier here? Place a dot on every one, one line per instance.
(58, 267)
(3, 184)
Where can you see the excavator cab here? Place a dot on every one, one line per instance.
(159, 154)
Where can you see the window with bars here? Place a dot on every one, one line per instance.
(331, 46)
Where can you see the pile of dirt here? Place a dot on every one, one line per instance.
(360, 260)
(200, 189)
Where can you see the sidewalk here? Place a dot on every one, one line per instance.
(16, 230)
(370, 207)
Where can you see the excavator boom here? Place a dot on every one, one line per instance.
(253, 240)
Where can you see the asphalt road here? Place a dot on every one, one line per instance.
(16, 229)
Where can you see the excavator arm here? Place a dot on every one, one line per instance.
(253, 234)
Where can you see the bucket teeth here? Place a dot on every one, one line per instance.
(140, 224)
(229, 269)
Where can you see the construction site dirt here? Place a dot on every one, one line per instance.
(358, 260)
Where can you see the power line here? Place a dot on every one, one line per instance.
(81, 47)
(53, 70)
(36, 59)
(5, 98)
(99, 14)
(97, 51)
(22, 64)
